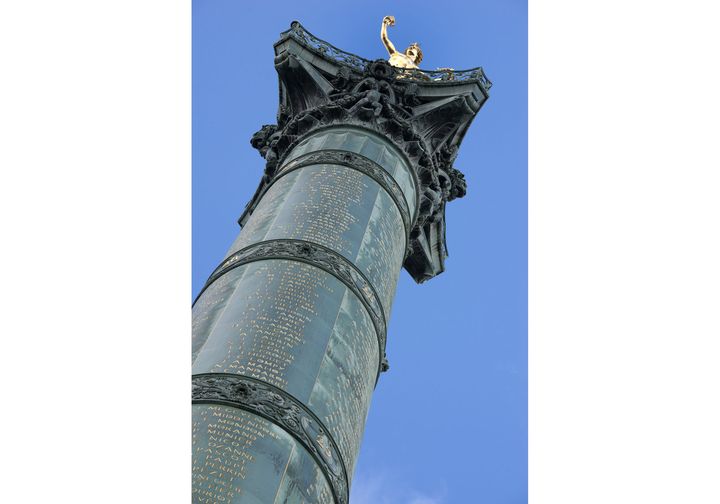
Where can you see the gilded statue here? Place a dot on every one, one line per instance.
(412, 56)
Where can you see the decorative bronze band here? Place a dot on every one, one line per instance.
(283, 410)
(359, 163)
(321, 257)
(362, 129)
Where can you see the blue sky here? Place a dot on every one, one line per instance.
(448, 423)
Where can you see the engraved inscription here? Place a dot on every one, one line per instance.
(323, 216)
(275, 320)
(311, 333)
(381, 252)
(223, 441)
(362, 165)
(210, 306)
(374, 148)
(290, 327)
(284, 411)
(373, 225)
(344, 386)
(265, 215)
(320, 257)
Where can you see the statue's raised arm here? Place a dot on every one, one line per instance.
(412, 56)
(387, 21)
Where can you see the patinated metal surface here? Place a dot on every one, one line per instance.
(424, 119)
(289, 332)
(320, 257)
(300, 301)
(283, 410)
(357, 63)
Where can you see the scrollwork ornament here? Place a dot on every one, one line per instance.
(358, 64)
(281, 409)
(411, 108)
(321, 257)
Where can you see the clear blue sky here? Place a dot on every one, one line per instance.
(448, 422)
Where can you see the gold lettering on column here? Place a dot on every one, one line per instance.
(222, 444)
(271, 327)
(330, 208)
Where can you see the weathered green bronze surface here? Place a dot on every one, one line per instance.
(289, 332)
